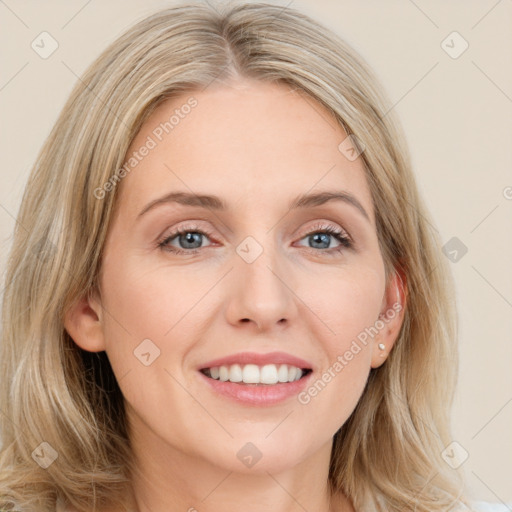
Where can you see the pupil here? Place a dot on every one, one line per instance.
(189, 238)
(318, 238)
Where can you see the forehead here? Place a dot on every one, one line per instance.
(246, 141)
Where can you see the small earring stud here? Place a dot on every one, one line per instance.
(382, 346)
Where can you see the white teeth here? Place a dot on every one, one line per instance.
(254, 374)
(268, 374)
(250, 374)
(223, 373)
(235, 373)
(282, 373)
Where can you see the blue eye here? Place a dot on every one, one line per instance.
(190, 238)
(323, 236)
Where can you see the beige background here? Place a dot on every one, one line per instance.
(457, 114)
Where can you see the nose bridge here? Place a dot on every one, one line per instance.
(258, 260)
(262, 293)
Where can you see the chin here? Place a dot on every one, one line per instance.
(255, 454)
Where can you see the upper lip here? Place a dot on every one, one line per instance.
(258, 359)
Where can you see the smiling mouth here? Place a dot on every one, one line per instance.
(251, 374)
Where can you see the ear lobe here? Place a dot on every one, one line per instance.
(390, 319)
(83, 322)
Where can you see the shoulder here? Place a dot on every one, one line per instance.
(484, 506)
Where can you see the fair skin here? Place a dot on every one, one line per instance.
(257, 146)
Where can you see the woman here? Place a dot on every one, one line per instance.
(223, 291)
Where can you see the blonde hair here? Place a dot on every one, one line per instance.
(387, 456)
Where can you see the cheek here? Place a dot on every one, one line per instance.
(153, 303)
(146, 304)
(133, 324)
(143, 312)
(347, 304)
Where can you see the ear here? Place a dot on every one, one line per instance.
(390, 318)
(83, 322)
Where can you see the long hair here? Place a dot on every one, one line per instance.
(62, 415)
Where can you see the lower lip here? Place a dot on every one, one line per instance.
(257, 394)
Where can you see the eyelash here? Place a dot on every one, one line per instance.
(345, 241)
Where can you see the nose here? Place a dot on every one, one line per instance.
(262, 292)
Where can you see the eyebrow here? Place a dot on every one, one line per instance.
(216, 203)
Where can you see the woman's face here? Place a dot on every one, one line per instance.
(259, 275)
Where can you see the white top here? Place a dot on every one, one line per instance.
(484, 506)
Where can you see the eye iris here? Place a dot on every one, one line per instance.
(321, 238)
(190, 238)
